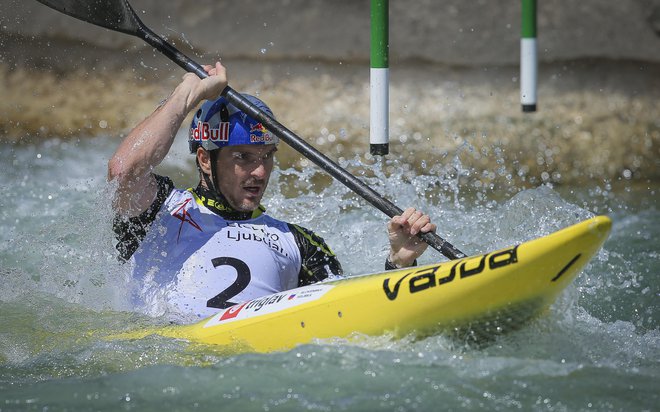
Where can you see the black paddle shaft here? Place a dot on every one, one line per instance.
(118, 15)
(334, 170)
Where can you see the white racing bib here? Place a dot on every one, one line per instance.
(193, 261)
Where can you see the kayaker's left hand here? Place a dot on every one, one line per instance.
(405, 246)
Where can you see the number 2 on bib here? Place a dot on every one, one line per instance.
(243, 277)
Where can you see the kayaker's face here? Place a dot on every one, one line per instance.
(243, 172)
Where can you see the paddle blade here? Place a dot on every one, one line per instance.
(115, 15)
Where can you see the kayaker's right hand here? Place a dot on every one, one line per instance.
(205, 89)
(405, 245)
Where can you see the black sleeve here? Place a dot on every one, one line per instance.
(130, 231)
(391, 266)
(318, 261)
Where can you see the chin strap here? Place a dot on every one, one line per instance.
(210, 180)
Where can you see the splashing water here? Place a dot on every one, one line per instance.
(63, 289)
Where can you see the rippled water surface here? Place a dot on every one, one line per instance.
(63, 289)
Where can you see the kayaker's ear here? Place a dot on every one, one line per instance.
(204, 160)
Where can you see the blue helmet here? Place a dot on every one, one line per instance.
(218, 123)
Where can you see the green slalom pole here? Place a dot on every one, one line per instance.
(528, 57)
(379, 79)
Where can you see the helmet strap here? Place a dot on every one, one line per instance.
(210, 179)
(213, 178)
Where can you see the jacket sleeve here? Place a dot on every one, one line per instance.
(131, 231)
(318, 261)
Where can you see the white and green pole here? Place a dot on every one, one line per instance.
(528, 57)
(379, 79)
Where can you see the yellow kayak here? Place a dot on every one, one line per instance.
(482, 295)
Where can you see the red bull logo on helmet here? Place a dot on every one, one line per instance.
(204, 132)
(259, 134)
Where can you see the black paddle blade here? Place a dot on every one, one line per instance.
(115, 15)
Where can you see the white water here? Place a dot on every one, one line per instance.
(598, 347)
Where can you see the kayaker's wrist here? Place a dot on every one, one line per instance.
(392, 262)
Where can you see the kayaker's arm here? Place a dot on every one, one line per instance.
(150, 141)
(130, 231)
(318, 260)
(405, 245)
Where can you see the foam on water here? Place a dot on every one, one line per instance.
(63, 290)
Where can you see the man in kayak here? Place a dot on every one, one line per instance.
(207, 248)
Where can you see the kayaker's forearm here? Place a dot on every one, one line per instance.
(150, 141)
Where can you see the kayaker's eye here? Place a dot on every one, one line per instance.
(241, 156)
(270, 154)
(245, 157)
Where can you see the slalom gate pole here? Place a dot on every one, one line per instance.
(528, 57)
(379, 79)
